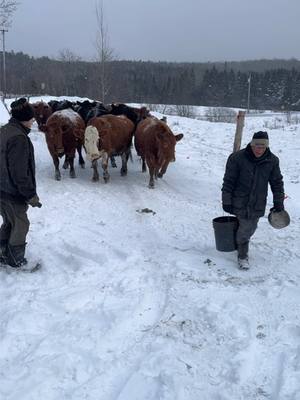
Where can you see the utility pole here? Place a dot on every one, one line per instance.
(240, 121)
(4, 64)
(249, 88)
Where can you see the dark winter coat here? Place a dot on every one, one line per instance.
(17, 166)
(245, 185)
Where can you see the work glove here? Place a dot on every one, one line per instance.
(34, 201)
(228, 208)
(277, 207)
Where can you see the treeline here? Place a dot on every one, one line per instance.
(275, 84)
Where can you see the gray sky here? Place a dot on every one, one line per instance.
(165, 30)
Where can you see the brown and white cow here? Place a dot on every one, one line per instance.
(155, 144)
(64, 134)
(42, 112)
(107, 136)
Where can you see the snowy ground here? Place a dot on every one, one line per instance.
(141, 306)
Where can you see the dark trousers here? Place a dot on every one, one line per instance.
(15, 224)
(246, 229)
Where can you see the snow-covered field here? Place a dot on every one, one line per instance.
(132, 305)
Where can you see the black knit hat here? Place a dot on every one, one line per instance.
(22, 110)
(260, 138)
(260, 135)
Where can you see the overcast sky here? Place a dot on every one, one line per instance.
(160, 30)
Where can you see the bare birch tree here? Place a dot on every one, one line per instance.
(67, 55)
(105, 53)
(70, 69)
(7, 8)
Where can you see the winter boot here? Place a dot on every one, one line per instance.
(243, 260)
(17, 261)
(15, 256)
(3, 251)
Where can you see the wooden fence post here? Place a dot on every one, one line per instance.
(240, 119)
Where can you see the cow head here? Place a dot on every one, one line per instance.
(143, 113)
(42, 112)
(53, 104)
(91, 143)
(166, 146)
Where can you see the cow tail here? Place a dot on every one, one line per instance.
(130, 152)
(130, 155)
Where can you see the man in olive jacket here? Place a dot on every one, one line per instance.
(17, 183)
(245, 189)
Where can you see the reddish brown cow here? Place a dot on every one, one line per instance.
(64, 134)
(155, 143)
(42, 112)
(106, 136)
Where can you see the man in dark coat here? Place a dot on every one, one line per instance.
(245, 189)
(17, 183)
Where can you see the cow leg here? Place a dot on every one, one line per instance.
(72, 170)
(113, 162)
(95, 177)
(156, 171)
(151, 181)
(81, 160)
(66, 163)
(144, 168)
(105, 167)
(151, 167)
(56, 165)
(163, 169)
(123, 170)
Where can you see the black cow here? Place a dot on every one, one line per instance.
(134, 114)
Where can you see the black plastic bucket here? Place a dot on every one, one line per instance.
(225, 233)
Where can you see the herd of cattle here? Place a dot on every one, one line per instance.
(105, 132)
